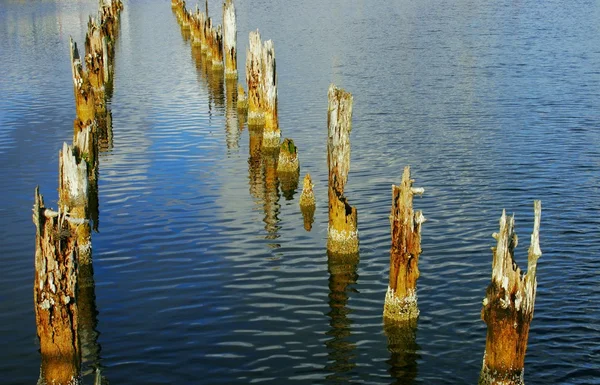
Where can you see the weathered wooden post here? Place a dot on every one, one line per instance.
(254, 73)
(230, 40)
(288, 168)
(401, 297)
(217, 49)
(272, 134)
(54, 293)
(85, 100)
(307, 202)
(86, 146)
(342, 229)
(508, 305)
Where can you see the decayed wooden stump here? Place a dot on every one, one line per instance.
(217, 49)
(401, 297)
(342, 230)
(307, 203)
(508, 305)
(54, 293)
(272, 134)
(254, 74)
(85, 100)
(86, 146)
(230, 40)
(288, 157)
(73, 198)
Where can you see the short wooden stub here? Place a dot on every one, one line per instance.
(342, 229)
(508, 305)
(401, 297)
(230, 40)
(254, 74)
(307, 202)
(54, 293)
(288, 157)
(272, 134)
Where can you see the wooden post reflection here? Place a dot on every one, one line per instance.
(232, 126)
(403, 348)
(342, 275)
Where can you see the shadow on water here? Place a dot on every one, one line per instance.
(403, 348)
(341, 352)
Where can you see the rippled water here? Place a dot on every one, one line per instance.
(203, 270)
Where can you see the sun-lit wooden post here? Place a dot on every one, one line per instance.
(307, 202)
(508, 305)
(272, 134)
(342, 230)
(217, 49)
(54, 293)
(254, 74)
(230, 40)
(401, 297)
(85, 100)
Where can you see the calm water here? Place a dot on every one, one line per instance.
(203, 271)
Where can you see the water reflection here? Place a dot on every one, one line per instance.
(88, 322)
(233, 128)
(212, 80)
(403, 348)
(342, 275)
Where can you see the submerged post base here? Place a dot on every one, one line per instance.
(500, 377)
(342, 242)
(400, 309)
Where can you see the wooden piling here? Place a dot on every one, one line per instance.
(307, 203)
(508, 305)
(288, 157)
(217, 49)
(254, 74)
(85, 100)
(401, 297)
(230, 40)
(272, 134)
(342, 229)
(54, 293)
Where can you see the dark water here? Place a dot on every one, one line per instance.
(203, 271)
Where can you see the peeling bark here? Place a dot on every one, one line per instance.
(342, 229)
(401, 298)
(508, 305)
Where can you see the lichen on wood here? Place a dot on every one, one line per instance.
(342, 229)
(401, 297)
(508, 305)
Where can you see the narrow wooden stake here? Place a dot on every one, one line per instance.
(401, 297)
(307, 203)
(272, 134)
(342, 229)
(508, 305)
(254, 74)
(230, 40)
(54, 293)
